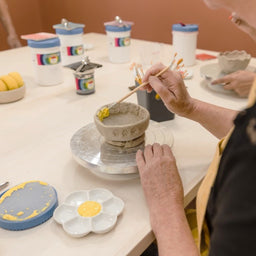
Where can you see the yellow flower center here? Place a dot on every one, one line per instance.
(89, 208)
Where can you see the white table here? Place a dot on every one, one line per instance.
(35, 133)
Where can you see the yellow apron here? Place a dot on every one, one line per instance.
(205, 188)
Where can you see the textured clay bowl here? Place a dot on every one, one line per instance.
(230, 62)
(127, 122)
(12, 95)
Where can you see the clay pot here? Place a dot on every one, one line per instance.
(230, 62)
(127, 122)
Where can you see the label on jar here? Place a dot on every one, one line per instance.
(120, 41)
(85, 84)
(48, 59)
(75, 50)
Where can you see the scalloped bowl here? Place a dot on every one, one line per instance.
(127, 122)
(231, 61)
(12, 95)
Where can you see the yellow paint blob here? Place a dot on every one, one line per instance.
(157, 97)
(103, 113)
(9, 192)
(89, 208)
(20, 186)
(9, 217)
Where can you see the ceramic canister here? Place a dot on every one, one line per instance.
(119, 40)
(184, 41)
(46, 58)
(71, 39)
(85, 83)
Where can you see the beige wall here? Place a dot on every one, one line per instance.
(153, 19)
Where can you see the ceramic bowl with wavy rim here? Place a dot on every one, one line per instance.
(98, 216)
(231, 61)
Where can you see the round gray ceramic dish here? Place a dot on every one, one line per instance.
(125, 126)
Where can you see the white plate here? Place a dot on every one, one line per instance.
(211, 72)
(77, 225)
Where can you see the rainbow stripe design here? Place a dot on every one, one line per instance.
(75, 50)
(122, 41)
(85, 84)
(48, 59)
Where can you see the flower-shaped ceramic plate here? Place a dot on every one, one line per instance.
(88, 211)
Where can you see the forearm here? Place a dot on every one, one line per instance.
(215, 119)
(173, 234)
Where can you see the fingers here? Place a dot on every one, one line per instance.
(151, 151)
(222, 80)
(140, 158)
(157, 150)
(152, 71)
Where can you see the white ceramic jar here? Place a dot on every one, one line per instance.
(184, 41)
(46, 58)
(71, 40)
(119, 40)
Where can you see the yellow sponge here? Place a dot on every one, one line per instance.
(9, 82)
(17, 77)
(3, 86)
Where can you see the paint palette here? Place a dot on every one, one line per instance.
(27, 205)
(88, 211)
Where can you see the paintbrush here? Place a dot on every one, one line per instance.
(146, 83)
(105, 111)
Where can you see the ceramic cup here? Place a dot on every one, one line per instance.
(184, 40)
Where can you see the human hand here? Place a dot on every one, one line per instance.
(243, 25)
(160, 179)
(171, 89)
(239, 81)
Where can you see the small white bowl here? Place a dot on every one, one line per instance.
(12, 95)
(230, 62)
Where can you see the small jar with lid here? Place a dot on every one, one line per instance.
(119, 40)
(46, 58)
(71, 39)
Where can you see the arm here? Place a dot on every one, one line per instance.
(172, 90)
(164, 195)
(5, 18)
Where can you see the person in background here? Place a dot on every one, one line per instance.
(239, 81)
(226, 201)
(6, 21)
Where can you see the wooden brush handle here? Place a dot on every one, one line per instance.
(141, 85)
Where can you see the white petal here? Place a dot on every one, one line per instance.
(77, 198)
(103, 223)
(78, 226)
(99, 195)
(64, 213)
(113, 206)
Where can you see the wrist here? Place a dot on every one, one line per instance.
(190, 109)
(163, 214)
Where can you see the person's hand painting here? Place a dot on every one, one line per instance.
(171, 88)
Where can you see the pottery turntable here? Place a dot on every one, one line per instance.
(90, 149)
